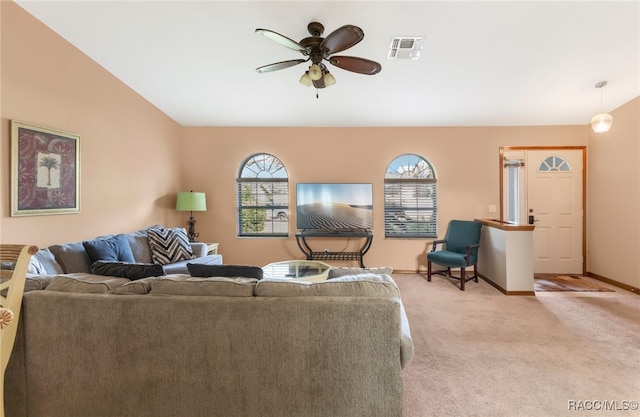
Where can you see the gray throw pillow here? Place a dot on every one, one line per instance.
(131, 271)
(72, 257)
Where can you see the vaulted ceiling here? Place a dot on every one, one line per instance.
(481, 63)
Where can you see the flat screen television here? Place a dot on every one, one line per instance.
(334, 206)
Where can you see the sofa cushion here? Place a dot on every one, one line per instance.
(44, 263)
(199, 249)
(230, 271)
(127, 270)
(72, 257)
(115, 248)
(139, 244)
(34, 282)
(138, 287)
(181, 267)
(217, 286)
(169, 245)
(84, 283)
(362, 285)
(336, 272)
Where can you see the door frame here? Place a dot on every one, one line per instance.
(504, 149)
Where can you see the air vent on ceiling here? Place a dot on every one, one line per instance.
(405, 47)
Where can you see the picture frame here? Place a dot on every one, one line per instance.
(45, 171)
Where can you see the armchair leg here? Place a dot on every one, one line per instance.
(428, 271)
(462, 279)
(475, 272)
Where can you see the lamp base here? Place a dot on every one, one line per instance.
(192, 229)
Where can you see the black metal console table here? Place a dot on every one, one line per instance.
(301, 238)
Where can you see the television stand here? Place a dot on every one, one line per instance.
(301, 239)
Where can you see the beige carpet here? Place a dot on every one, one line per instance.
(553, 282)
(482, 353)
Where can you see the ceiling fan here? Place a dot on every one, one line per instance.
(316, 49)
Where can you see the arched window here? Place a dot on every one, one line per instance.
(554, 163)
(410, 203)
(263, 197)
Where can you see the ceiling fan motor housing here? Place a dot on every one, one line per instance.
(315, 28)
(312, 45)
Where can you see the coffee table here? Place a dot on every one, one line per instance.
(313, 271)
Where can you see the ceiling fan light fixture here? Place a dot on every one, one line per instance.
(315, 72)
(601, 122)
(329, 80)
(305, 79)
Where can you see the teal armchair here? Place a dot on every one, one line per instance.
(459, 249)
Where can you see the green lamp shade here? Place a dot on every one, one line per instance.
(190, 201)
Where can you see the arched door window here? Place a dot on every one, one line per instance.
(410, 203)
(554, 163)
(263, 197)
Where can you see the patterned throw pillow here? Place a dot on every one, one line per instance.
(169, 245)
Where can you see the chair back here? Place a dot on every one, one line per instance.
(11, 290)
(462, 233)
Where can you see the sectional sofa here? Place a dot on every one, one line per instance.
(116, 327)
(101, 346)
(151, 251)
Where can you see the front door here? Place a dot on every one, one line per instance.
(554, 205)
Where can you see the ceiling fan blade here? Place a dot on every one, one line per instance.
(342, 38)
(280, 65)
(355, 64)
(282, 40)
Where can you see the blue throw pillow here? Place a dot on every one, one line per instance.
(115, 248)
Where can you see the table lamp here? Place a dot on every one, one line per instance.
(190, 201)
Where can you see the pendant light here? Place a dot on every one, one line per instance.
(601, 123)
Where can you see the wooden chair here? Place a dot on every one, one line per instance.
(460, 250)
(11, 290)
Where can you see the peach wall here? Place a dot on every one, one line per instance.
(466, 160)
(128, 147)
(614, 198)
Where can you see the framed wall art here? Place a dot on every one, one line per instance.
(45, 171)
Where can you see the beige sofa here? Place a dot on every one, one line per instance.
(95, 346)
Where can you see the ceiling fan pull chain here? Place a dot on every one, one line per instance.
(317, 93)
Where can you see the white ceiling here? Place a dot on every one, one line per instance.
(482, 64)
